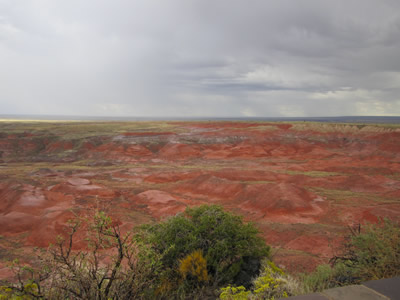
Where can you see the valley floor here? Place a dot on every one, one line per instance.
(302, 183)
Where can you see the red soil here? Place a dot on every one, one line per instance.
(302, 185)
(147, 133)
(59, 146)
(283, 202)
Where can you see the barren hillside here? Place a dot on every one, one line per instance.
(301, 183)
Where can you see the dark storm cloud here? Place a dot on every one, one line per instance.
(204, 57)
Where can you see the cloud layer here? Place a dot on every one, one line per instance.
(200, 57)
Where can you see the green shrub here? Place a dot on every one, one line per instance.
(234, 293)
(271, 284)
(224, 239)
(373, 251)
(370, 252)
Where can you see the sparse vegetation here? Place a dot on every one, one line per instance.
(161, 260)
(192, 255)
(111, 266)
(345, 197)
(316, 174)
(370, 252)
(324, 277)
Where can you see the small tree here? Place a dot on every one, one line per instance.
(224, 239)
(112, 266)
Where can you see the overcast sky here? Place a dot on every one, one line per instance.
(217, 58)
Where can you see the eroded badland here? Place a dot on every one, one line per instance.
(302, 183)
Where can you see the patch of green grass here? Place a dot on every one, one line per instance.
(395, 176)
(71, 130)
(115, 184)
(303, 227)
(313, 173)
(324, 277)
(264, 128)
(253, 182)
(345, 197)
(343, 127)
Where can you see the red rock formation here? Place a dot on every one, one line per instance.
(302, 184)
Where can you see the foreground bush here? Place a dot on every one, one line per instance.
(373, 251)
(228, 244)
(271, 284)
(370, 252)
(189, 255)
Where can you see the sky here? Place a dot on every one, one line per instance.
(200, 58)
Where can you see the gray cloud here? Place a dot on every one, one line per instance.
(200, 58)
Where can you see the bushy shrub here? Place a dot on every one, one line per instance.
(271, 284)
(370, 252)
(224, 239)
(234, 293)
(373, 251)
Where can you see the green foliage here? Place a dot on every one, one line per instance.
(27, 285)
(234, 293)
(223, 238)
(326, 277)
(272, 283)
(373, 252)
(27, 291)
(370, 252)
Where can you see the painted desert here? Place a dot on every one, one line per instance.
(302, 183)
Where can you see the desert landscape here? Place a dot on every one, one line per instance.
(302, 183)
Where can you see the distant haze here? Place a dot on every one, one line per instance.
(192, 58)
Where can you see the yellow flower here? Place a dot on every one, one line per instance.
(194, 264)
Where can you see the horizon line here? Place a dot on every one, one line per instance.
(56, 117)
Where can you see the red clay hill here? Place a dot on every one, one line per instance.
(302, 183)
